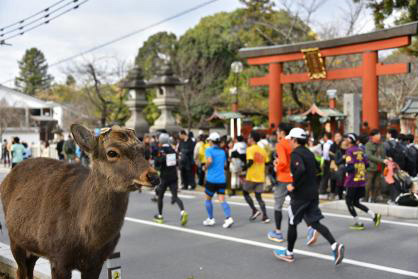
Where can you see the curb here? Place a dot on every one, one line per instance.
(397, 211)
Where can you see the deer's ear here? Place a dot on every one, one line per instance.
(83, 137)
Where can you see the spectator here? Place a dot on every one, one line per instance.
(18, 151)
(326, 148)
(335, 174)
(395, 149)
(28, 151)
(235, 167)
(5, 153)
(375, 153)
(69, 149)
(60, 147)
(199, 158)
(411, 156)
(186, 148)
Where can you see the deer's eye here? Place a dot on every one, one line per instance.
(112, 154)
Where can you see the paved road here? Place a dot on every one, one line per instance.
(152, 251)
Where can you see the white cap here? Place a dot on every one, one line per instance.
(214, 136)
(297, 133)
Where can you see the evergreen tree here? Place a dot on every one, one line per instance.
(33, 75)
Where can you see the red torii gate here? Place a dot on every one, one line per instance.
(366, 44)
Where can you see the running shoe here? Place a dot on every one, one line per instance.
(228, 223)
(357, 226)
(255, 215)
(265, 220)
(209, 222)
(275, 236)
(282, 254)
(184, 217)
(159, 219)
(338, 253)
(312, 236)
(377, 219)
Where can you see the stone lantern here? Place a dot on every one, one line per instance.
(166, 100)
(136, 86)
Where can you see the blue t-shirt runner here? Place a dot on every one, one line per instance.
(216, 181)
(216, 170)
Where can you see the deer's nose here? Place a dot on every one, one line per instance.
(153, 178)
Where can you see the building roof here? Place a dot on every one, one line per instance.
(409, 29)
(225, 115)
(410, 106)
(324, 113)
(17, 99)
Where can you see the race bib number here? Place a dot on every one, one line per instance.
(171, 160)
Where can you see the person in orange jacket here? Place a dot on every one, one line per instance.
(284, 177)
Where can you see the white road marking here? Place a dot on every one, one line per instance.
(271, 246)
(341, 216)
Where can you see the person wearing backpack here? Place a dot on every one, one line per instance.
(395, 149)
(166, 163)
(411, 156)
(375, 153)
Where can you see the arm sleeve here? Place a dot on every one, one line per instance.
(371, 157)
(297, 167)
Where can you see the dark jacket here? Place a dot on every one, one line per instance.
(186, 149)
(168, 174)
(304, 168)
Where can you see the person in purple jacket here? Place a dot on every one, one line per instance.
(355, 181)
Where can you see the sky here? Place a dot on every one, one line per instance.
(99, 21)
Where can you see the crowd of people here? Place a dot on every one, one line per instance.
(290, 162)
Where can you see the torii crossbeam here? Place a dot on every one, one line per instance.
(366, 44)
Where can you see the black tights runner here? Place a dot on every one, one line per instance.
(174, 199)
(352, 203)
(278, 219)
(292, 234)
(260, 201)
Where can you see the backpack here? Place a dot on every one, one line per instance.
(408, 199)
(404, 180)
(411, 160)
(398, 152)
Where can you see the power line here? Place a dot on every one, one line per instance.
(47, 15)
(133, 32)
(29, 17)
(46, 21)
(129, 34)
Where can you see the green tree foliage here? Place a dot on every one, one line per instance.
(33, 73)
(407, 10)
(147, 59)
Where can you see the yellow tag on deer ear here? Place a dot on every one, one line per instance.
(348, 159)
(104, 130)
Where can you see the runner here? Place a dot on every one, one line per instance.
(284, 177)
(166, 163)
(216, 181)
(304, 198)
(256, 175)
(355, 181)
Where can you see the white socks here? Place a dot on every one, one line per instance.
(334, 246)
(356, 220)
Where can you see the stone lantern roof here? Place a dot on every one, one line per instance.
(135, 79)
(165, 77)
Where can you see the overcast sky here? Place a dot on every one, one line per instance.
(99, 21)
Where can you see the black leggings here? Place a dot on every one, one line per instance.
(292, 234)
(174, 199)
(352, 200)
(260, 201)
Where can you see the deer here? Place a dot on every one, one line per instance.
(70, 214)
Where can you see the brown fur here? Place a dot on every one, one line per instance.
(68, 213)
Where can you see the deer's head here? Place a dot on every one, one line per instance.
(118, 155)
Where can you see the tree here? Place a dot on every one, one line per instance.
(33, 75)
(406, 10)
